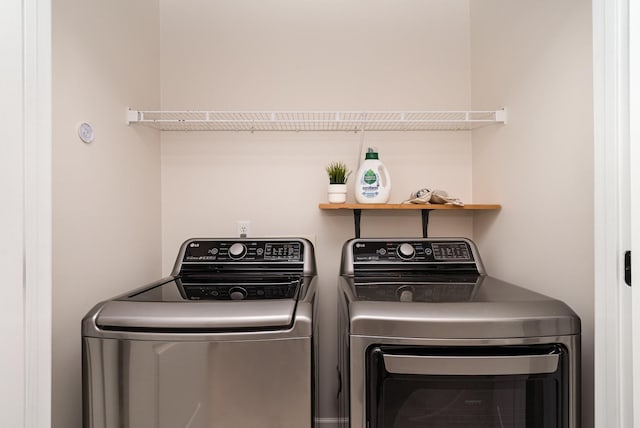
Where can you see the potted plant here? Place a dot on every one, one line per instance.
(338, 175)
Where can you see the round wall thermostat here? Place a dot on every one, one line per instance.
(85, 132)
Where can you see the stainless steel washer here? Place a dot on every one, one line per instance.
(226, 341)
(428, 339)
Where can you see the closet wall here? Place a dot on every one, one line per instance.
(106, 195)
(535, 58)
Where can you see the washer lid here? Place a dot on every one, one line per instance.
(221, 287)
(201, 315)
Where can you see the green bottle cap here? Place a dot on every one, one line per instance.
(371, 154)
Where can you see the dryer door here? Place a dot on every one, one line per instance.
(479, 387)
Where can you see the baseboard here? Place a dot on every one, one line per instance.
(330, 422)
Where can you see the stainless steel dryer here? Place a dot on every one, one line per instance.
(429, 340)
(227, 341)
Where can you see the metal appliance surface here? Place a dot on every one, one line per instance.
(227, 340)
(428, 339)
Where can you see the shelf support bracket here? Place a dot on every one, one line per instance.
(425, 223)
(357, 214)
(501, 115)
(132, 116)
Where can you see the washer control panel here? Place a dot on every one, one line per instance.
(206, 251)
(433, 251)
(241, 292)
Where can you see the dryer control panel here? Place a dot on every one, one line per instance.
(433, 251)
(397, 257)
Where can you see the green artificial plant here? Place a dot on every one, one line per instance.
(338, 172)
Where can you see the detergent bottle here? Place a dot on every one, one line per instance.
(373, 183)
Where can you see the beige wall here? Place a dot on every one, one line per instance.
(106, 195)
(292, 55)
(136, 193)
(535, 58)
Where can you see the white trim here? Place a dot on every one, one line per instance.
(12, 385)
(613, 401)
(37, 211)
(634, 157)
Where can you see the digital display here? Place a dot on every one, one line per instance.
(282, 251)
(458, 251)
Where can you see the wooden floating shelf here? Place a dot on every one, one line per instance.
(425, 209)
(408, 207)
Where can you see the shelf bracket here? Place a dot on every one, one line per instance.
(425, 223)
(501, 115)
(357, 214)
(132, 116)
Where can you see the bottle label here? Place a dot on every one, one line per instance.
(370, 177)
(370, 184)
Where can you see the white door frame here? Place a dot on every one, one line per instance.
(634, 156)
(613, 345)
(25, 220)
(37, 211)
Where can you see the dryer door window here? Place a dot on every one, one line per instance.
(470, 387)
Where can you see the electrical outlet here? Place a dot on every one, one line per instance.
(243, 228)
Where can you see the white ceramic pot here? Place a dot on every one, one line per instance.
(337, 193)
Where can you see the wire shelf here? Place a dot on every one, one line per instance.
(352, 121)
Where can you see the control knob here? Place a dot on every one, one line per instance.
(405, 294)
(237, 293)
(406, 251)
(237, 251)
